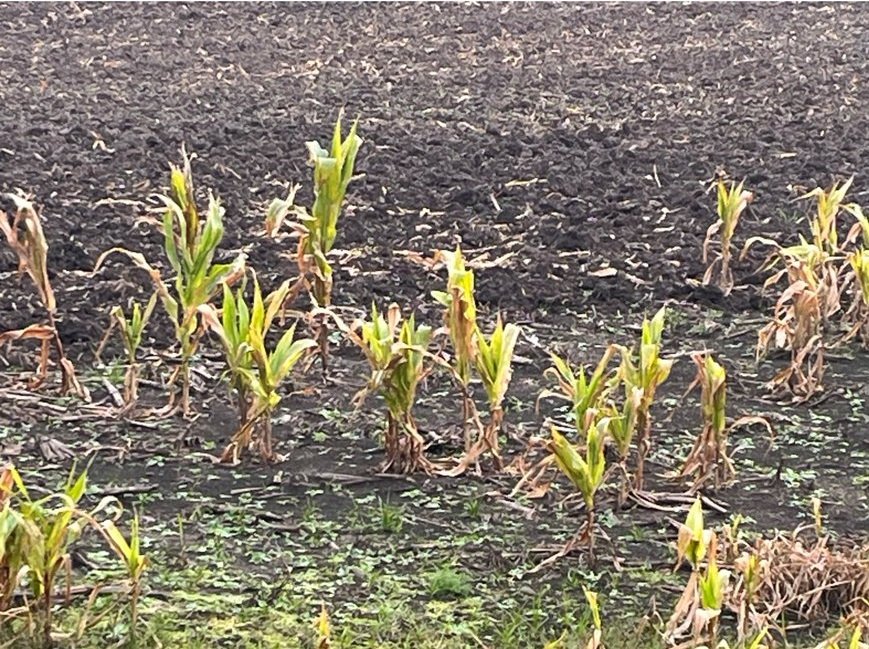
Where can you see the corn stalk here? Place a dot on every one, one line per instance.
(317, 229)
(709, 457)
(645, 373)
(586, 474)
(131, 330)
(494, 360)
(857, 316)
(732, 202)
(585, 392)
(26, 238)
(460, 320)
(396, 357)
(190, 244)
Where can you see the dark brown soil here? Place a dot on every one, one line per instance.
(572, 137)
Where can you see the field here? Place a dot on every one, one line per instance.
(571, 150)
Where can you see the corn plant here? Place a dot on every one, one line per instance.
(857, 316)
(823, 225)
(39, 535)
(232, 325)
(130, 554)
(323, 628)
(318, 229)
(256, 371)
(596, 640)
(732, 202)
(709, 457)
(11, 557)
(797, 326)
(621, 428)
(26, 238)
(190, 244)
(396, 357)
(645, 373)
(131, 329)
(494, 359)
(460, 319)
(694, 543)
(586, 473)
(586, 392)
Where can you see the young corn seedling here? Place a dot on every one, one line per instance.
(460, 319)
(646, 373)
(494, 360)
(262, 372)
(709, 458)
(596, 639)
(586, 392)
(586, 474)
(333, 170)
(190, 243)
(26, 238)
(732, 202)
(397, 360)
(131, 335)
(130, 554)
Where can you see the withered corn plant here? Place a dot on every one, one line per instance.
(190, 243)
(256, 372)
(646, 373)
(396, 356)
(797, 326)
(333, 171)
(586, 474)
(857, 316)
(699, 608)
(732, 202)
(709, 457)
(460, 320)
(621, 429)
(131, 329)
(802, 313)
(26, 238)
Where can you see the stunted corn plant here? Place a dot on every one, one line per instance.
(131, 336)
(26, 238)
(857, 316)
(460, 319)
(732, 202)
(797, 326)
(396, 356)
(333, 170)
(699, 608)
(494, 360)
(596, 639)
(709, 457)
(621, 428)
(645, 373)
(135, 562)
(586, 474)
(255, 371)
(190, 243)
